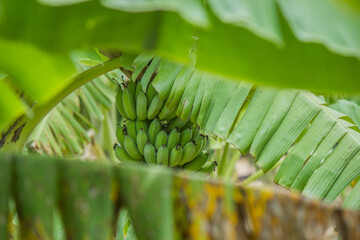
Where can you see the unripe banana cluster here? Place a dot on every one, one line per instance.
(133, 103)
(151, 134)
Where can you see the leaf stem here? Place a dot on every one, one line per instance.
(259, 173)
(222, 165)
(86, 76)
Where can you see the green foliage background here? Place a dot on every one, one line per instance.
(313, 45)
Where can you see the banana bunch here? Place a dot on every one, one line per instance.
(168, 143)
(152, 133)
(133, 103)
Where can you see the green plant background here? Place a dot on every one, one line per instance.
(47, 54)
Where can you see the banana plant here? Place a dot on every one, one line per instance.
(238, 46)
(313, 138)
(267, 127)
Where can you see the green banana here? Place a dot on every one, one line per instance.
(189, 150)
(174, 98)
(141, 124)
(208, 167)
(150, 93)
(120, 133)
(141, 140)
(174, 138)
(131, 128)
(154, 129)
(131, 148)
(177, 122)
(149, 153)
(128, 102)
(162, 156)
(197, 163)
(198, 146)
(206, 142)
(138, 89)
(175, 156)
(161, 139)
(132, 87)
(119, 104)
(195, 131)
(141, 106)
(165, 111)
(187, 125)
(185, 136)
(155, 107)
(171, 116)
(121, 154)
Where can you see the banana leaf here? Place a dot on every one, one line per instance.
(162, 203)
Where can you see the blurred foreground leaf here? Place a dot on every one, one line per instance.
(196, 207)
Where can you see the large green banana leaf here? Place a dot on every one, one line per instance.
(315, 142)
(162, 204)
(307, 44)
